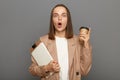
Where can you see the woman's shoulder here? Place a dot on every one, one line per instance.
(44, 37)
(76, 38)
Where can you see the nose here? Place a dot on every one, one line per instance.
(59, 18)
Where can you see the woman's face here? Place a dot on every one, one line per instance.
(60, 19)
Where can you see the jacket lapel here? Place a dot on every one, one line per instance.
(71, 50)
(52, 49)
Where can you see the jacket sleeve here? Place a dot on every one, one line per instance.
(34, 68)
(85, 59)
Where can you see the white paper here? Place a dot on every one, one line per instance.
(41, 55)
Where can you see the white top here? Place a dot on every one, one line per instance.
(62, 53)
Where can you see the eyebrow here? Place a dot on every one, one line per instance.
(57, 13)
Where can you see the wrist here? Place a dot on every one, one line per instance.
(86, 44)
(46, 69)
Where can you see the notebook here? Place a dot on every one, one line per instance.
(41, 55)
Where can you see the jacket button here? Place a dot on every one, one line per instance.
(34, 46)
(77, 73)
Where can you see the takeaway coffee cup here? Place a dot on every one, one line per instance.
(83, 30)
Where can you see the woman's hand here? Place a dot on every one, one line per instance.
(53, 66)
(84, 38)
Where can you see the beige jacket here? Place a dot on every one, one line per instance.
(80, 59)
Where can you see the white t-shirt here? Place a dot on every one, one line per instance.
(62, 53)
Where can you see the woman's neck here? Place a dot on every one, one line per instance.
(60, 34)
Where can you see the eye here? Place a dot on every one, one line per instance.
(64, 15)
(55, 15)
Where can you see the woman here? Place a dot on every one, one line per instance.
(71, 54)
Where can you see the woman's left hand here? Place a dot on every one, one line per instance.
(84, 38)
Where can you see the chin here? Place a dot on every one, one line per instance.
(60, 30)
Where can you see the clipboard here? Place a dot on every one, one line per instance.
(41, 55)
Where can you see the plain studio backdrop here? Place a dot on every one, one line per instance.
(22, 22)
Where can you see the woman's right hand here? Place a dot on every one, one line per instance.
(53, 66)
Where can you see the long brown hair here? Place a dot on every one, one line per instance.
(69, 28)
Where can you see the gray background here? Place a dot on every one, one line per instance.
(22, 22)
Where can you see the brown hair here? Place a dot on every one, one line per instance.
(69, 29)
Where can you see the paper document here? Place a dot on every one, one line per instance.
(41, 55)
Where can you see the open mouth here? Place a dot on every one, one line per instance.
(59, 24)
